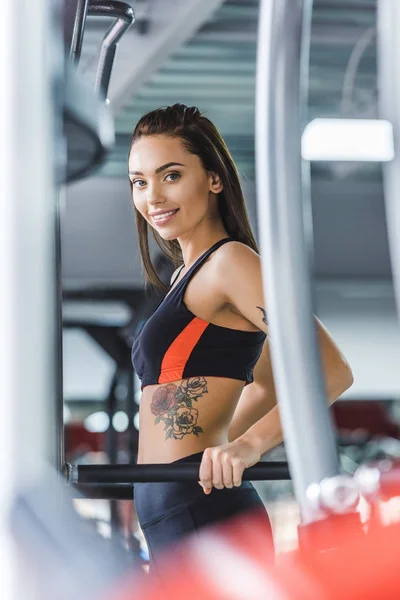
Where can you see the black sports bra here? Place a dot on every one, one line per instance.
(174, 344)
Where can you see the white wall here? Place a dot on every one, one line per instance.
(98, 235)
(366, 329)
(88, 370)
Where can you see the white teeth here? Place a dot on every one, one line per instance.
(160, 217)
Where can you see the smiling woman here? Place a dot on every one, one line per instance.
(178, 147)
(203, 356)
(162, 215)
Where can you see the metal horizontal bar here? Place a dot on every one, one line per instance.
(123, 474)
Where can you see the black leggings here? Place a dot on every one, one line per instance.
(168, 512)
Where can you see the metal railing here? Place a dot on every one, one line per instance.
(283, 200)
(124, 17)
(120, 474)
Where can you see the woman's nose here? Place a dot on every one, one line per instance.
(154, 196)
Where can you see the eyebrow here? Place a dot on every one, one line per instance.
(159, 169)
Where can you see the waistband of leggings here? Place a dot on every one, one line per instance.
(191, 458)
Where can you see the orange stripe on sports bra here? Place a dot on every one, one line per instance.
(178, 353)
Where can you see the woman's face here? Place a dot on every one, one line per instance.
(170, 187)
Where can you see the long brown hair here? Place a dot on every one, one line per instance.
(200, 137)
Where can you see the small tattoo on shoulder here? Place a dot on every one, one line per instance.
(264, 315)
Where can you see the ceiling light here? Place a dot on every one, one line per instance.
(362, 140)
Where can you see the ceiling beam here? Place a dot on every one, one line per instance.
(326, 5)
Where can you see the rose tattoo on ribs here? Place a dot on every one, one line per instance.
(173, 405)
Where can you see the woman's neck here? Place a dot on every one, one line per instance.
(193, 247)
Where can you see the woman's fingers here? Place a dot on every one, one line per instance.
(220, 469)
(211, 474)
(237, 468)
(206, 472)
(227, 471)
(217, 473)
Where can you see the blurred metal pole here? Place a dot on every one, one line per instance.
(108, 53)
(79, 29)
(111, 408)
(388, 57)
(112, 447)
(131, 409)
(59, 408)
(286, 243)
(31, 71)
(124, 18)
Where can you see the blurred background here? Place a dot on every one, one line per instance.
(203, 53)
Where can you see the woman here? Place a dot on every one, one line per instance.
(203, 356)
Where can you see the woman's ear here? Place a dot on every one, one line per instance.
(216, 185)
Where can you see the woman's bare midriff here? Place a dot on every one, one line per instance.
(185, 417)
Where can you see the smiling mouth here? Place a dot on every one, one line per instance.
(164, 217)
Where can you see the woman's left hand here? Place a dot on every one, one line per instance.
(223, 466)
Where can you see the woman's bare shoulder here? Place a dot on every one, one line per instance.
(236, 248)
(237, 281)
(236, 257)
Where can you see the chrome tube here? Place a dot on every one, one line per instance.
(123, 474)
(78, 31)
(124, 18)
(388, 58)
(285, 231)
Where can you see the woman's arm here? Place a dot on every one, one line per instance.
(257, 399)
(241, 286)
(256, 429)
(257, 416)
